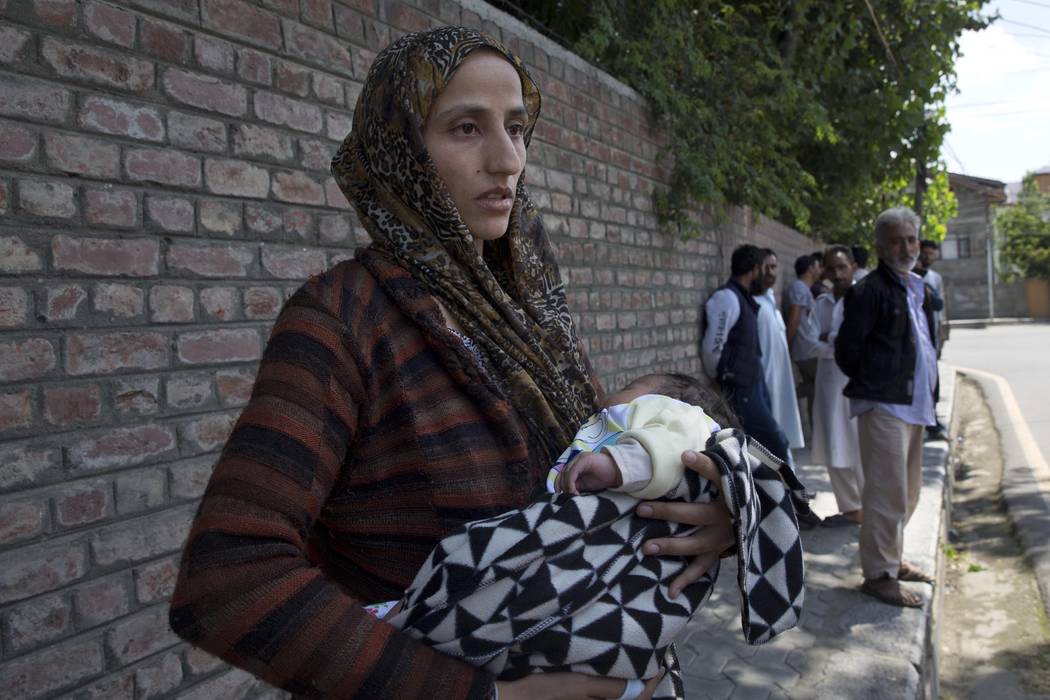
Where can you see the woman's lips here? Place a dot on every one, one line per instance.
(497, 201)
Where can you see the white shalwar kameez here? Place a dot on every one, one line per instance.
(835, 439)
(776, 368)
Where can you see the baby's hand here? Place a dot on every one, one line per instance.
(589, 471)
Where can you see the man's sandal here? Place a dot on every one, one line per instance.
(910, 572)
(891, 592)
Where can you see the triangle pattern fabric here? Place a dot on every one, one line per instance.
(562, 585)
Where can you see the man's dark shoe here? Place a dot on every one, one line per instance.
(936, 432)
(808, 520)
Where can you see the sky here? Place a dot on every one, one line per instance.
(1000, 117)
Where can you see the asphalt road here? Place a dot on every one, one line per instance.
(1021, 355)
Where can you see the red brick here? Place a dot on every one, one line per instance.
(196, 133)
(118, 686)
(298, 187)
(16, 410)
(63, 302)
(136, 396)
(315, 155)
(5, 199)
(206, 434)
(21, 520)
(318, 13)
(38, 621)
(234, 683)
(101, 353)
(53, 668)
(82, 503)
(112, 116)
(236, 178)
(211, 261)
(27, 463)
(173, 214)
(220, 303)
(98, 66)
(262, 142)
(188, 390)
(159, 676)
(155, 581)
(26, 359)
(32, 99)
(199, 661)
(286, 111)
(288, 77)
(109, 207)
(244, 21)
(179, 9)
(334, 229)
(14, 307)
(106, 256)
(329, 89)
(82, 155)
(349, 25)
(73, 404)
(338, 125)
(215, 346)
(213, 54)
(254, 66)
(100, 601)
(28, 571)
(334, 195)
(51, 199)
(293, 263)
(165, 41)
(299, 223)
(110, 24)
(406, 18)
(217, 216)
(317, 47)
(234, 386)
(60, 14)
(121, 447)
(120, 300)
(12, 41)
(17, 145)
(206, 92)
(141, 636)
(143, 538)
(189, 477)
(16, 257)
(263, 219)
(171, 304)
(141, 490)
(164, 167)
(262, 302)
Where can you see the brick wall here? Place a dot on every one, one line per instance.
(163, 188)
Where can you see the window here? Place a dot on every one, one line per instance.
(955, 247)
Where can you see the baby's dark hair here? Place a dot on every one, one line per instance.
(690, 390)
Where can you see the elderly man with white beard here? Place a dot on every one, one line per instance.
(884, 347)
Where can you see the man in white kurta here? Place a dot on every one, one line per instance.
(776, 359)
(835, 439)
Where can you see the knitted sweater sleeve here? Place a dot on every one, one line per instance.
(247, 591)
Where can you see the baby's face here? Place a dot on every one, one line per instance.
(639, 387)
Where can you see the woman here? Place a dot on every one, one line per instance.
(430, 381)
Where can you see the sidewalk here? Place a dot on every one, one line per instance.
(848, 645)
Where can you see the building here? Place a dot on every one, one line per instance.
(968, 256)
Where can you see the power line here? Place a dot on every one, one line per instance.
(952, 154)
(1026, 26)
(1036, 4)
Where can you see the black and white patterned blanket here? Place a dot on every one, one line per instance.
(562, 585)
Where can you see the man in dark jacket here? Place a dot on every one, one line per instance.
(884, 347)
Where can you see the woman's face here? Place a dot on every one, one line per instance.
(475, 136)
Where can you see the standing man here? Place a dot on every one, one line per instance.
(776, 360)
(860, 257)
(885, 347)
(803, 331)
(929, 252)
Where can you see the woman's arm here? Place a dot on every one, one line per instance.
(247, 591)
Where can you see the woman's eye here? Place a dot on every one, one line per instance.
(467, 129)
(516, 130)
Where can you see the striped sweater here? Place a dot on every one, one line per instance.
(370, 434)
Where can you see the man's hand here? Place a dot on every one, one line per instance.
(706, 544)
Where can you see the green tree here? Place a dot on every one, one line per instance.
(816, 113)
(1024, 231)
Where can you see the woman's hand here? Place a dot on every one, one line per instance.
(706, 544)
(570, 686)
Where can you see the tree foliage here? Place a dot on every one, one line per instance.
(1024, 230)
(815, 113)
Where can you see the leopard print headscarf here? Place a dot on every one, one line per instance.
(509, 300)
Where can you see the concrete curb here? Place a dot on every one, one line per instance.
(1024, 470)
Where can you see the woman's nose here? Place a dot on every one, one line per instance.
(502, 155)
